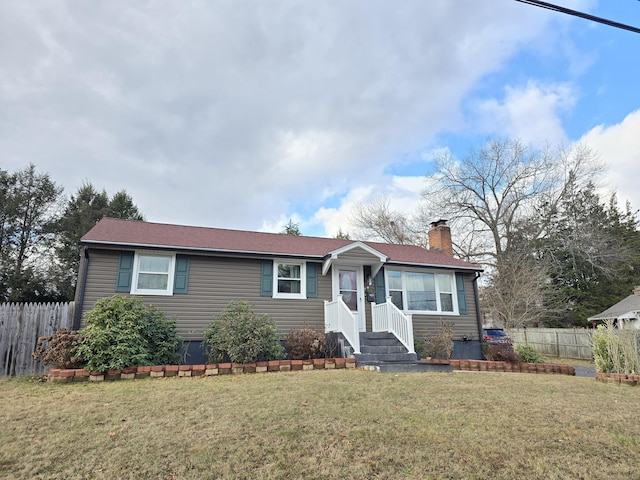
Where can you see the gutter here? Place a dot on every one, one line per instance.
(477, 301)
(80, 290)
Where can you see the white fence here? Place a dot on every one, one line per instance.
(21, 324)
(556, 342)
(338, 318)
(388, 318)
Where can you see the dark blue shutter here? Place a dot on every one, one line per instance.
(181, 277)
(381, 294)
(462, 296)
(266, 285)
(125, 272)
(312, 280)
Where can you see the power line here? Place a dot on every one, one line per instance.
(575, 13)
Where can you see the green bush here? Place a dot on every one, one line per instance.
(60, 349)
(305, 343)
(420, 347)
(240, 335)
(124, 332)
(529, 354)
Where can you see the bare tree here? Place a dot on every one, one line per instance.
(487, 192)
(509, 206)
(501, 199)
(376, 221)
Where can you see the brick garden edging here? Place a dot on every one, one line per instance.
(490, 366)
(208, 370)
(618, 378)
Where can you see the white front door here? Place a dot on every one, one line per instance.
(348, 281)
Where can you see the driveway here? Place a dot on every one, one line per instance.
(585, 372)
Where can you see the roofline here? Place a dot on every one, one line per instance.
(614, 317)
(197, 249)
(248, 253)
(433, 265)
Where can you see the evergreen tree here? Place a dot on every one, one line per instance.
(28, 214)
(342, 235)
(83, 211)
(121, 206)
(291, 229)
(593, 249)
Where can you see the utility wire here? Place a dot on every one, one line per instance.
(575, 13)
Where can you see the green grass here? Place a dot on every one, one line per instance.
(322, 425)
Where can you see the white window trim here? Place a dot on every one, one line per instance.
(303, 279)
(438, 312)
(136, 271)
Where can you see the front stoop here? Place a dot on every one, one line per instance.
(384, 352)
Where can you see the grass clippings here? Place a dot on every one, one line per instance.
(322, 425)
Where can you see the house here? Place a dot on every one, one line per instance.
(335, 285)
(625, 313)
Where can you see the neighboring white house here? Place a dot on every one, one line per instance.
(626, 313)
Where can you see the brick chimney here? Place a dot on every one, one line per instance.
(636, 290)
(440, 237)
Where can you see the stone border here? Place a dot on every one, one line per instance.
(618, 378)
(206, 370)
(490, 366)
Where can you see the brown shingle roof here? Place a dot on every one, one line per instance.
(130, 233)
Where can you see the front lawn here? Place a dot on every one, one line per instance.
(322, 424)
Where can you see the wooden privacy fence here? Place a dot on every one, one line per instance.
(556, 342)
(20, 326)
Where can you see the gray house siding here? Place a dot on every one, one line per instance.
(212, 283)
(215, 281)
(356, 255)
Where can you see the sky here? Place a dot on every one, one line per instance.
(245, 114)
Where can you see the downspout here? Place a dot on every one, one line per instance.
(80, 289)
(477, 301)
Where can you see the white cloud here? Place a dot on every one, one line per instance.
(530, 113)
(618, 147)
(403, 193)
(241, 114)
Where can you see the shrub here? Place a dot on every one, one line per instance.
(615, 350)
(438, 344)
(500, 353)
(59, 349)
(529, 354)
(332, 347)
(305, 343)
(240, 335)
(420, 347)
(124, 332)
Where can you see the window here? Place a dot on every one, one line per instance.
(289, 280)
(421, 291)
(395, 288)
(153, 274)
(446, 292)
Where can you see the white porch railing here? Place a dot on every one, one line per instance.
(338, 318)
(386, 317)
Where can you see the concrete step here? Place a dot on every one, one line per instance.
(369, 358)
(382, 349)
(379, 339)
(413, 367)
